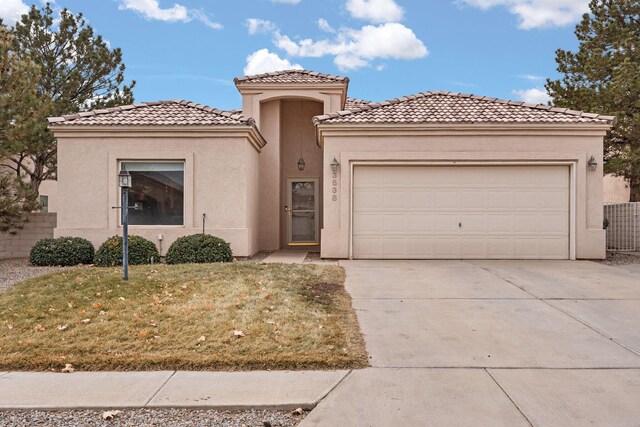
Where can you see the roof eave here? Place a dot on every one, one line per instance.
(189, 131)
(490, 129)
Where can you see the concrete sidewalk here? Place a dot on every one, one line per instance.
(286, 257)
(285, 390)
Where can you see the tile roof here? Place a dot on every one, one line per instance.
(161, 113)
(352, 103)
(291, 76)
(449, 107)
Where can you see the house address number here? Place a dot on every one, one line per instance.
(334, 188)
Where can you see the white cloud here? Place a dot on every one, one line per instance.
(381, 67)
(151, 9)
(531, 77)
(375, 10)
(355, 49)
(533, 96)
(324, 25)
(286, 1)
(12, 10)
(263, 61)
(255, 26)
(199, 15)
(538, 13)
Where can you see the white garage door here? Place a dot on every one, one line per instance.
(457, 212)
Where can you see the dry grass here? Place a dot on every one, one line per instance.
(292, 317)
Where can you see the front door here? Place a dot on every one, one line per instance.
(302, 211)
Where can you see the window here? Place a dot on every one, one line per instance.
(44, 203)
(157, 192)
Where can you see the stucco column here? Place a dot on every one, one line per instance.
(269, 216)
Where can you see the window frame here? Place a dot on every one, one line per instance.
(184, 200)
(44, 207)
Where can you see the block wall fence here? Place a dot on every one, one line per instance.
(39, 226)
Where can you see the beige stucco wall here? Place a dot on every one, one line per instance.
(221, 180)
(464, 144)
(270, 175)
(616, 189)
(49, 188)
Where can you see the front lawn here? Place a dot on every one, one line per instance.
(207, 316)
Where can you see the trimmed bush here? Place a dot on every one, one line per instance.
(199, 248)
(62, 251)
(141, 251)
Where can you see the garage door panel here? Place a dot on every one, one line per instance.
(447, 199)
(473, 247)
(421, 199)
(498, 200)
(395, 199)
(505, 212)
(446, 224)
(368, 247)
(500, 223)
(471, 223)
(446, 247)
(422, 223)
(499, 248)
(473, 199)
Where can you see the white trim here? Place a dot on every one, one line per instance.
(572, 164)
(316, 216)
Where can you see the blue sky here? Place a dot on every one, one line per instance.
(191, 49)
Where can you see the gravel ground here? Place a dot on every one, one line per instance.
(150, 417)
(16, 270)
(618, 258)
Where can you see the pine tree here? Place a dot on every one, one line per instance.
(21, 115)
(603, 76)
(78, 71)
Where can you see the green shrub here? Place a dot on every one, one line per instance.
(62, 251)
(141, 251)
(199, 248)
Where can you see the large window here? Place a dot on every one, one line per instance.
(157, 192)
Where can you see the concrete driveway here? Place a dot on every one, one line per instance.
(491, 343)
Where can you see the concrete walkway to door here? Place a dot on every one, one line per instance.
(491, 343)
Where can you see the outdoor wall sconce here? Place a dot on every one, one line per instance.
(334, 165)
(301, 164)
(593, 164)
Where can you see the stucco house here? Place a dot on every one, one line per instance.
(431, 175)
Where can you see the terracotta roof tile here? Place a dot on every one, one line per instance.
(291, 76)
(448, 107)
(352, 103)
(160, 113)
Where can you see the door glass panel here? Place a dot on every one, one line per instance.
(303, 196)
(303, 227)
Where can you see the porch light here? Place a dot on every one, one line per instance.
(593, 164)
(301, 164)
(334, 165)
(124, 178)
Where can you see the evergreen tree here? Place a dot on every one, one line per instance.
(78, 71)
(20, 117)
(603, 76)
